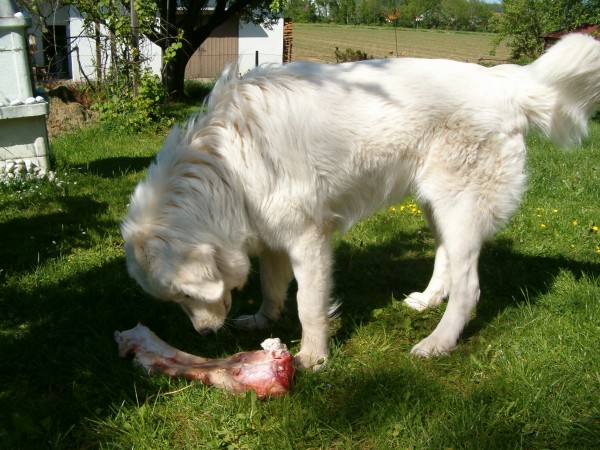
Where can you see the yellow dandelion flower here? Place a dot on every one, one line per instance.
(543, 225)
(595, 229)
(574, 223)
(597, 248)
(392, 209)
(555, 211)
(402, 208)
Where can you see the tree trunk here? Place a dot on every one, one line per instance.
(174, 76)
(174, 71)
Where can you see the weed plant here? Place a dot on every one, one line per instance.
(526, 374)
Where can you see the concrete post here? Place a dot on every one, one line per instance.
(23, 133)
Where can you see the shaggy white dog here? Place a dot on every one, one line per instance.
(286, 155)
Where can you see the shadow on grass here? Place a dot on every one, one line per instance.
(385, 404)
(31, 241)
(59, 366)
(375, 276)
(118, 166)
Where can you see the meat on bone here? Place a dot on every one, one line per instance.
(269, 372)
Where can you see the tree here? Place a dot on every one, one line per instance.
(524, 22)
(178, 27)
(472, 15)
(194, 25)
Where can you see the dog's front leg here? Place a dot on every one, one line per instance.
(275, 276)
(311, 263)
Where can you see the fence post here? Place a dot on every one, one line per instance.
(256, 59)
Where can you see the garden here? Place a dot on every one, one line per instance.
(525, 375)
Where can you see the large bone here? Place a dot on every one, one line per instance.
(269, 372)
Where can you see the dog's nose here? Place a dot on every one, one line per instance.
(204, 331)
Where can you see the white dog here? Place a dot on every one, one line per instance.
(287, 155)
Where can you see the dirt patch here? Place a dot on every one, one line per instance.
(69, 111)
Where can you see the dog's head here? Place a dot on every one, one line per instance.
(196, 276)
(180, 244)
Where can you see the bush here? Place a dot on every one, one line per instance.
(350, 55)
(198, 90)
(122, 111)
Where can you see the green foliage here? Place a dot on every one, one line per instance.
(461, 15)
(198, 90)
(170, 52)
(300, 10)
(350, 55)
(121, 108)
(122, 111)
(524, 23)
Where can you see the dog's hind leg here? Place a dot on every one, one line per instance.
(439, 285)
(275, 276)
(461, 231)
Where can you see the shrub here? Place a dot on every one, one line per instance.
(350, 55)
(198, 90)
(122, 111)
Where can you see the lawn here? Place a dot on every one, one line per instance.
(317, 42)
(526, 374)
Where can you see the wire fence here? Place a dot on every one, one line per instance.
(318, 43)
(204, 66)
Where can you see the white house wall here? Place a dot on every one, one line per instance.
(83, 50)
(83, 60)
(82, 44)
(268, 42)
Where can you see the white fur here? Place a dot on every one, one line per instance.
(286, 155)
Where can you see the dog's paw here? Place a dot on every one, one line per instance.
(420, 301)
(312, 362)
(252, 322)
(430, 346)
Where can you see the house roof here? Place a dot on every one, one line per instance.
(583, 29)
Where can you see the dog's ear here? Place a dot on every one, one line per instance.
(142, 245)
(198, 275)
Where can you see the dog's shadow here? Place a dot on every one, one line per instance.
(118, 166)
(369, 278)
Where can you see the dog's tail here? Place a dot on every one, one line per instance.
(570, 75)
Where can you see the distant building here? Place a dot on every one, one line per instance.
(551, 38)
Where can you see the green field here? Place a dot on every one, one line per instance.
(315, 42)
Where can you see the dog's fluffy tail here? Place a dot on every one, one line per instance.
(570, 74)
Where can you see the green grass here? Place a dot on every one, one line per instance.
(526, 374)
(317, 42)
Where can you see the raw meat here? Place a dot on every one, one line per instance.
(269, 372)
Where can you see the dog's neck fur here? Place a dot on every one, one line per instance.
(189, 188)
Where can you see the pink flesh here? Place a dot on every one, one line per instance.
(268, 372)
